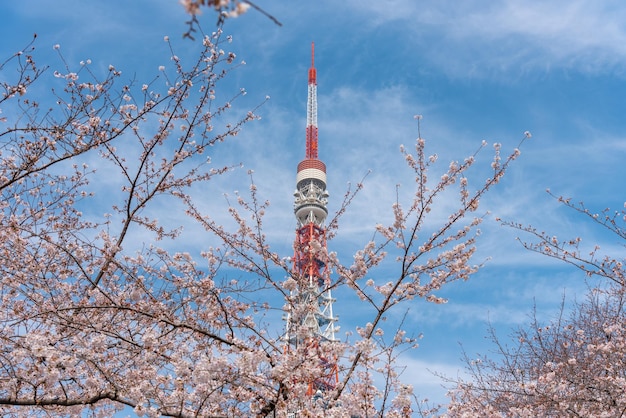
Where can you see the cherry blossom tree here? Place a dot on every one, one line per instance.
(231, 8)
(101, 312)
(572, 366)
(224, 8)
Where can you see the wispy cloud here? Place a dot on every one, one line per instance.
(486, 38)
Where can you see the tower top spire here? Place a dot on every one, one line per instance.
(312, 71)
(311, 111)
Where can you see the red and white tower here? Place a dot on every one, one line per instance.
(310, 320)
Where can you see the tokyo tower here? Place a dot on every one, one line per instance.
(310, 320)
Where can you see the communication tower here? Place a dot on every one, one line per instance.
(310, 320)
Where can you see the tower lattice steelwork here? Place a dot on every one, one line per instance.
(310, 320)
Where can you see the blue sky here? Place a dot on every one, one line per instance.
(475, 70)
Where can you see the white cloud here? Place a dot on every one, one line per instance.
(426, 377)
(481, 39)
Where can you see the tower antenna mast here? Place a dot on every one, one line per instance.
(311, 110)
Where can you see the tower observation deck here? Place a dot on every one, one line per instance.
(310, 319)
